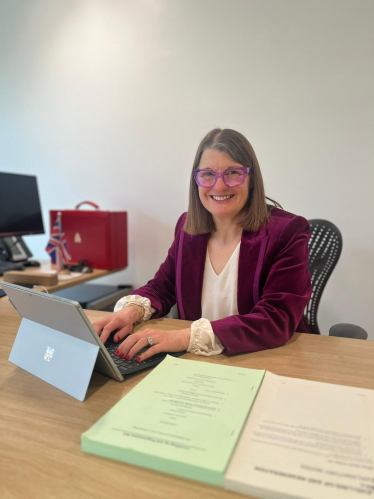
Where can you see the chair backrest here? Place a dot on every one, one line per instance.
(325, 246)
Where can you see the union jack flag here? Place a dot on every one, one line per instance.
(57, 245)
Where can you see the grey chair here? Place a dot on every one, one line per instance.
(325, 247)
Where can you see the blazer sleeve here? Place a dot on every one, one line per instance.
(287, 290)
(161, 290)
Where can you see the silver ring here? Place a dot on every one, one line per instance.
(150, 341)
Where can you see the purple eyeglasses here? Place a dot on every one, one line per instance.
(232, 177)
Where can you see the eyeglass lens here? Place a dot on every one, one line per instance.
(232, 177)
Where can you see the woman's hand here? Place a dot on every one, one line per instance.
(163, 341)
(122, 320)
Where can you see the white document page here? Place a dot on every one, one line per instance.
(305, 439)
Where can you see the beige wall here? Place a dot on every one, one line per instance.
(107, 100)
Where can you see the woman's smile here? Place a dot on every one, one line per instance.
(222, 199)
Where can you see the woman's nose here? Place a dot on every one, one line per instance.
(220, 184)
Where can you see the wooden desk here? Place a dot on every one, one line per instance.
(40, 427)
(46, 265)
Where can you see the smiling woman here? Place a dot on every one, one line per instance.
(238, 267)
(225, 149)
(224, 192)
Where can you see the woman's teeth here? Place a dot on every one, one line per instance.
(222, 198)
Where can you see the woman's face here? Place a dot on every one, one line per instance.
(224, 203)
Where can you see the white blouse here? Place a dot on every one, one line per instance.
(219, 294)
(218, 300)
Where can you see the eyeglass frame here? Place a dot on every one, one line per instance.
(244, 169)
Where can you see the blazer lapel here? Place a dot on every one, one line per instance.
(190, 274)
(252, 251)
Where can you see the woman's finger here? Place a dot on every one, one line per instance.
(146, 332)
(98, 326)
(114, 323)
(139, 345)
(122, 333)
(151, 351)
(128, 344)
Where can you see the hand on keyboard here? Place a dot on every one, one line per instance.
(162, 341)
(119, 326)
(121, 321)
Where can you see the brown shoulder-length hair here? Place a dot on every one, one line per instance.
(256, 211)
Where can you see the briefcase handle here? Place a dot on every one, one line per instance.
(96, 206)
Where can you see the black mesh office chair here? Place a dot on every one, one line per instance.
(325, 247)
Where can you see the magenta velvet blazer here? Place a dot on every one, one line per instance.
(273, 283)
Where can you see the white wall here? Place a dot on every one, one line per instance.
(107, 100)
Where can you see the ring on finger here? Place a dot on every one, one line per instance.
(150, 341)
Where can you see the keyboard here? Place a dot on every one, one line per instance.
(126, 367)
(4, 266)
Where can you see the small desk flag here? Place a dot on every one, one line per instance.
(57, 244)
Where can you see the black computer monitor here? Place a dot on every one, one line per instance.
(20, 212)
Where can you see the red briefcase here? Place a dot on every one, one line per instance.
(96, 236)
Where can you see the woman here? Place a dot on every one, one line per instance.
(237, 267)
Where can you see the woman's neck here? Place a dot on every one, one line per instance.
(227, 233)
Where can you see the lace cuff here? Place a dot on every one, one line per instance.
(203, 340)
(145, 303)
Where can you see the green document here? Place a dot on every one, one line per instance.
(184, 418)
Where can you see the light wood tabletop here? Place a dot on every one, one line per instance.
(46, 265)
(40, 426)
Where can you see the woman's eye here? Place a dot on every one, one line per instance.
(234, 172)
(207, 174)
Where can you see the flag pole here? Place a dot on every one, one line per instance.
(60, 225)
